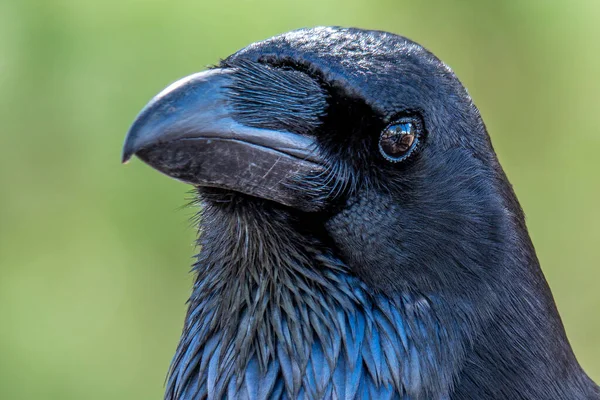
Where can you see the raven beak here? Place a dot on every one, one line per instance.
(188, 132)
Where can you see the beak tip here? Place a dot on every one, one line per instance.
(126, 154)
(125, 158)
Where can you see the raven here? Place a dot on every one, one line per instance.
(358, 237)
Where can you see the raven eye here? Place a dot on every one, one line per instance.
(400, 139)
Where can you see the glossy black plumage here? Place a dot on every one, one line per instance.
(357, 277)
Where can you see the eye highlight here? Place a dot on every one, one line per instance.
(400, 139)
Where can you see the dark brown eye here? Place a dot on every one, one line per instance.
(400, 139)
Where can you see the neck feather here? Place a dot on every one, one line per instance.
(274, 311)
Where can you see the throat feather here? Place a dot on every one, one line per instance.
(285, 319)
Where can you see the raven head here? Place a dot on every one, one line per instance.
(365, 131)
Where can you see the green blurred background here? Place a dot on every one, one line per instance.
(94, 256)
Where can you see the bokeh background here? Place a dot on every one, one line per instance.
(94, 256)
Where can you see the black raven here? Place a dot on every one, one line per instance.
(359, 238)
